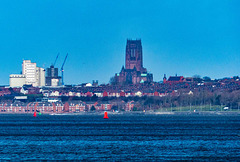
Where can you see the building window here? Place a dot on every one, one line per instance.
(132, 52)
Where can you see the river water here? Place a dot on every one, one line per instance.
(120, 138)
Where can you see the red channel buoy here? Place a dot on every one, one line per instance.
(105, 115)
(35, 114)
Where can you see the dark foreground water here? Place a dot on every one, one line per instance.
(120, 138)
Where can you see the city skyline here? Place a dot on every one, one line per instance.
(200, 37)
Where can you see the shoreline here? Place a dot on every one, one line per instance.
(203, 113)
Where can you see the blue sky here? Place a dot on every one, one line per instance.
(178, 36)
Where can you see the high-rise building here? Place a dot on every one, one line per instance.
(31, 75)
(40, 76)
(52, 78)
(134, 72)
(29, 70)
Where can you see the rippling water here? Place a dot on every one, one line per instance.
(121, 137)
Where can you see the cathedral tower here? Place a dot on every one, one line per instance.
(134, 55)
(134, 72)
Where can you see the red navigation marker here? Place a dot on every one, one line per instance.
(105, 115)
(35, 114)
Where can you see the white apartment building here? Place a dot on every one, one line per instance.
(17, 80)
(40, 76)
(31, 74)
(29, 70)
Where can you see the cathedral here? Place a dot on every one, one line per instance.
(134, 72)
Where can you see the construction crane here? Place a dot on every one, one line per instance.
(63, 66)
(56, 60)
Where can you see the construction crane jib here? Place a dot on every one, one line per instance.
(55, 60)
(62, 70)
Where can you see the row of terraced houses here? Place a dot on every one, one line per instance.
(59, 107)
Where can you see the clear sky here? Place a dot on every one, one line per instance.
(186, 37)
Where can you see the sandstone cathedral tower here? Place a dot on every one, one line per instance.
(134, 72)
